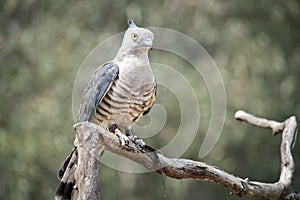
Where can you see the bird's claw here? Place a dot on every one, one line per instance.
(136, 141)
(123, 138)
(140, 142)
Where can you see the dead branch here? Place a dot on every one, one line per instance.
(260, 122)
(90, 136)
(87, 171)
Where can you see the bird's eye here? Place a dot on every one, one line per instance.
(134, 36)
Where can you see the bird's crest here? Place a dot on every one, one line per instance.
(131, 23)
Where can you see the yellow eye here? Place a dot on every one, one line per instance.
(134, 36)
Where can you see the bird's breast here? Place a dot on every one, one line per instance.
(130, 95)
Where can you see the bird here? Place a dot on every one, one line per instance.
(116, 96)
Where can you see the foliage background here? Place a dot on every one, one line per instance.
(255, 44)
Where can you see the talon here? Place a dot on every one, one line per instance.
(139, 142)
(123, 138)
(136, 141)
(134, 138)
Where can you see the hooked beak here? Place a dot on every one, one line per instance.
(148, 42)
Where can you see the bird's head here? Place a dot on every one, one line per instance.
(137, 38)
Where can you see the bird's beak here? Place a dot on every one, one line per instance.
(149, 42)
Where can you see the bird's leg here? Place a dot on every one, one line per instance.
(129, 134)
(114, 129)
(133, 138)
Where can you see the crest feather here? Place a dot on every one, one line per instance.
(131, 23)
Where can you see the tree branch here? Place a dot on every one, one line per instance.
(87, 171)
(260, 122)
(90, 136)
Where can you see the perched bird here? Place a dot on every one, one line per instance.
(118, 93)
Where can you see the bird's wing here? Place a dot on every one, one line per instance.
(97, 87)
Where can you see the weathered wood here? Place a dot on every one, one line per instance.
(87, 171)
(90, 135)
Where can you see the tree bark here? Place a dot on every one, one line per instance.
(90, 136)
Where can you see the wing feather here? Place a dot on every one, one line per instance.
(97, 87)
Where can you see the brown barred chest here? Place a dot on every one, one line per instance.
(124, 104)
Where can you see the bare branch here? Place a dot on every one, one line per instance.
(258, 121)
(287, 162)
(289, 134)
(86, 174)
(184, 168)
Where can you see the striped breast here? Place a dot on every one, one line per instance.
(124, 104)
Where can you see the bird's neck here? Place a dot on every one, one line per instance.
(141, 52)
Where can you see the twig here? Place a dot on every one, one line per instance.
(184, 168)
(276, 127)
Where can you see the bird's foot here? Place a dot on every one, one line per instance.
(139, 142)
(123, 138)
(133, 138)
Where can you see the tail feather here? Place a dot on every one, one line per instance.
(63, 168)
(66, 188)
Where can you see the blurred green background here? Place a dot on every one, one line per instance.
(255, 44)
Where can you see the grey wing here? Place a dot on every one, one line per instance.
(98, 85)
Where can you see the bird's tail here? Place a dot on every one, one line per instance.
(67, 186)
